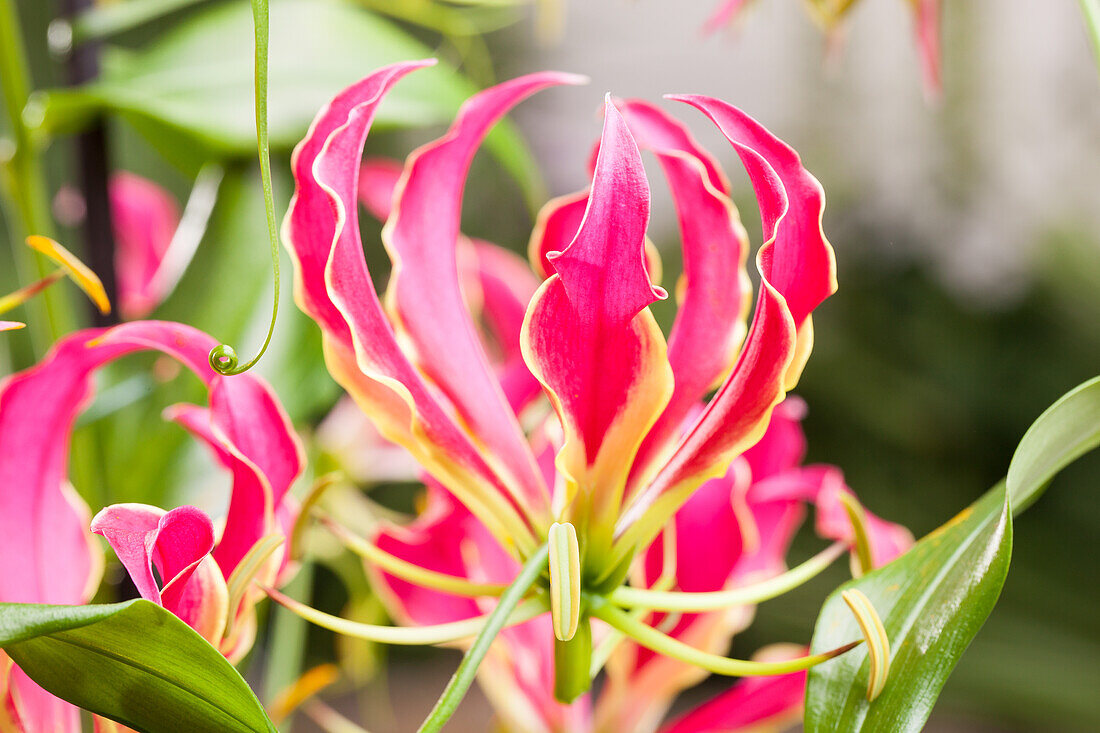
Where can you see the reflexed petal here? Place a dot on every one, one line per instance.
(503, 281)
(556, 226)
(715, 291)
(750, 703)
(797, 272)
(11, 325)
(333, 286)
(145, 536)
(178, 544)
(589, 336)
(263, 463)
(145, 217)
(424, 292)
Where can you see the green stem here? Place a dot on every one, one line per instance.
(26, 184)
(572, 661)
(668, 646)
(467, 669)
(223, 358)
(656, 600)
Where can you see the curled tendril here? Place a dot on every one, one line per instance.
(223, 357)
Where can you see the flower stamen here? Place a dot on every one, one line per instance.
(565, 580)
(878, 643)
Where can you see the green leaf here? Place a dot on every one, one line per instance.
(932, 601)
(1067, 430)
(133, 662)
(190, 90)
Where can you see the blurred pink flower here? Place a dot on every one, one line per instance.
(51, 556)
(926, 26)
(145, 217)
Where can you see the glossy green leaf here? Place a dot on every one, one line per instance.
(1067, 430)
(190, 91)
(932, 601)
(133, 662)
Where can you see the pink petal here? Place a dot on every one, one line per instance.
(378, 178)
(178, 544)
(504, 282)
(360, 451)
(783, 445)
(589, 336)
(927, 28)
(144, 536)
(253, 498)
(507, 286)
(436, 540)
(145, 217)
(724, 14)
(823, 486)
(747, 705)
(797, 272)
(35, 710)
(424, 291)
(887, 539)
(715, 291)
(333, 286)
(556, 226)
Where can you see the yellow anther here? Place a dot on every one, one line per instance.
(863, 561)
(878, 644)
(565, 580)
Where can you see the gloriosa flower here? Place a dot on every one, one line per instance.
(829, 14)
(659, 487)
(51, 556)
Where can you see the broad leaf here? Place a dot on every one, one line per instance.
(190, 91)
(1067, 430)
(934, 598)
(932, 601)
(132, 662)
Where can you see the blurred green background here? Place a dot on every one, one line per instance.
(967, 236)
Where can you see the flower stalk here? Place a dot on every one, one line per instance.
(25, 182)
(467, 669)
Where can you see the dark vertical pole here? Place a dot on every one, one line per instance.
(92, 171)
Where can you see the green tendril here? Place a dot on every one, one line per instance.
(223, 358)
